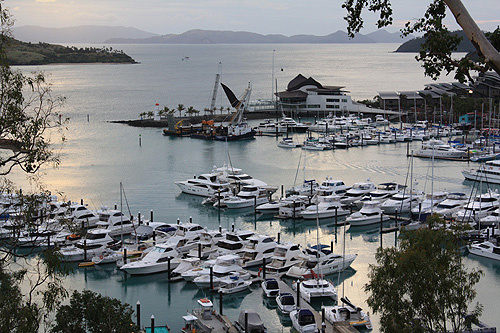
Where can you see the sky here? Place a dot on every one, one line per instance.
(286, 17)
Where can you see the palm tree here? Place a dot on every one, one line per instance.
(151, 114)
(180, 108)
(164, 111)
(190, 110)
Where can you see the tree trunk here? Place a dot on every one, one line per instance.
(476, 36)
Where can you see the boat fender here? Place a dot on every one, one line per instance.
(260, 270)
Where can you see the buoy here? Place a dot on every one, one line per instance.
(101, 257)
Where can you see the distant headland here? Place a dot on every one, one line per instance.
(22, 53)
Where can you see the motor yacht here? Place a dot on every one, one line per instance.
(233, 284)
(269, 127)
(482, 205)
(115, 222)
(259, 247)
(428, 205)
(383, 192)
(248, 196)
(292, 209)
(207, 244)
(439, 149)
(285, 256)
(324, 261)
(274, 206)
(329, 207)
(303, 321)
(453, 203)
(356, 192)
(488, 172)
(291, 125)
(402, 202)
(331, 187)
(94, 244)
(205, 185)
(289, 143)
(235, 241)
(81, 216)
(347, 312)
(370, 213)
(160, 258)
(487, 249)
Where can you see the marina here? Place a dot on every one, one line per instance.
(100, 154)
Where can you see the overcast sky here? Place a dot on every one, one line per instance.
(286, 17)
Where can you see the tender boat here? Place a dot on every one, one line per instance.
(286, 303)
(347, 312)
(270, 287)
(303, 321)
(370, 213)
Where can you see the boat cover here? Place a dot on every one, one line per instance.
(255, 324)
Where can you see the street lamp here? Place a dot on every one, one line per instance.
(399, 110)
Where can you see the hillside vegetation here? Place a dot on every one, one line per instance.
(22, 53)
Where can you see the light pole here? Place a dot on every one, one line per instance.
(415, 105)
(399, 110)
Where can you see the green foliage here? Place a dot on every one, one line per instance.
(92, 312)
(438, 42)
(422, 286)
(21, 53)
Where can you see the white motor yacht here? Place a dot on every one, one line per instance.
(285, 256)
(488, 172)
(428, 205)
(289, 143)
(231, 285)
(330, 206)
(248, 196)
(235, 241)
(324, 261)
(292, 209)
(303, 321)
(357, 191)
(155, 261)
(402, 202)
(383, 192)
(439, 149)
(81, 216)
(486, 249)
(293, 125)
(331, 187)
(370, 213)
(94, 244)
(205, 185)
(482, 205)
(115, 222)
(259, 247)
(453, 203)
(347, 312)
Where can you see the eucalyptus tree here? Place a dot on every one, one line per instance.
(436, 51)
(423, 286)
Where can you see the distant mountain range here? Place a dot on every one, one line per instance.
(413, 45)
(127, 35)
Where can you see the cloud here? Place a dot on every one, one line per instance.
(46, 1)
(487, 21)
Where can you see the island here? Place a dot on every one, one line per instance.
(23, 53)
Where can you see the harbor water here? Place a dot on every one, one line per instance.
(100, 154)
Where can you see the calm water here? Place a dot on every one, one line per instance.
(99, 155)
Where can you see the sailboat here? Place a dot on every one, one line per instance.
(238, 127)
